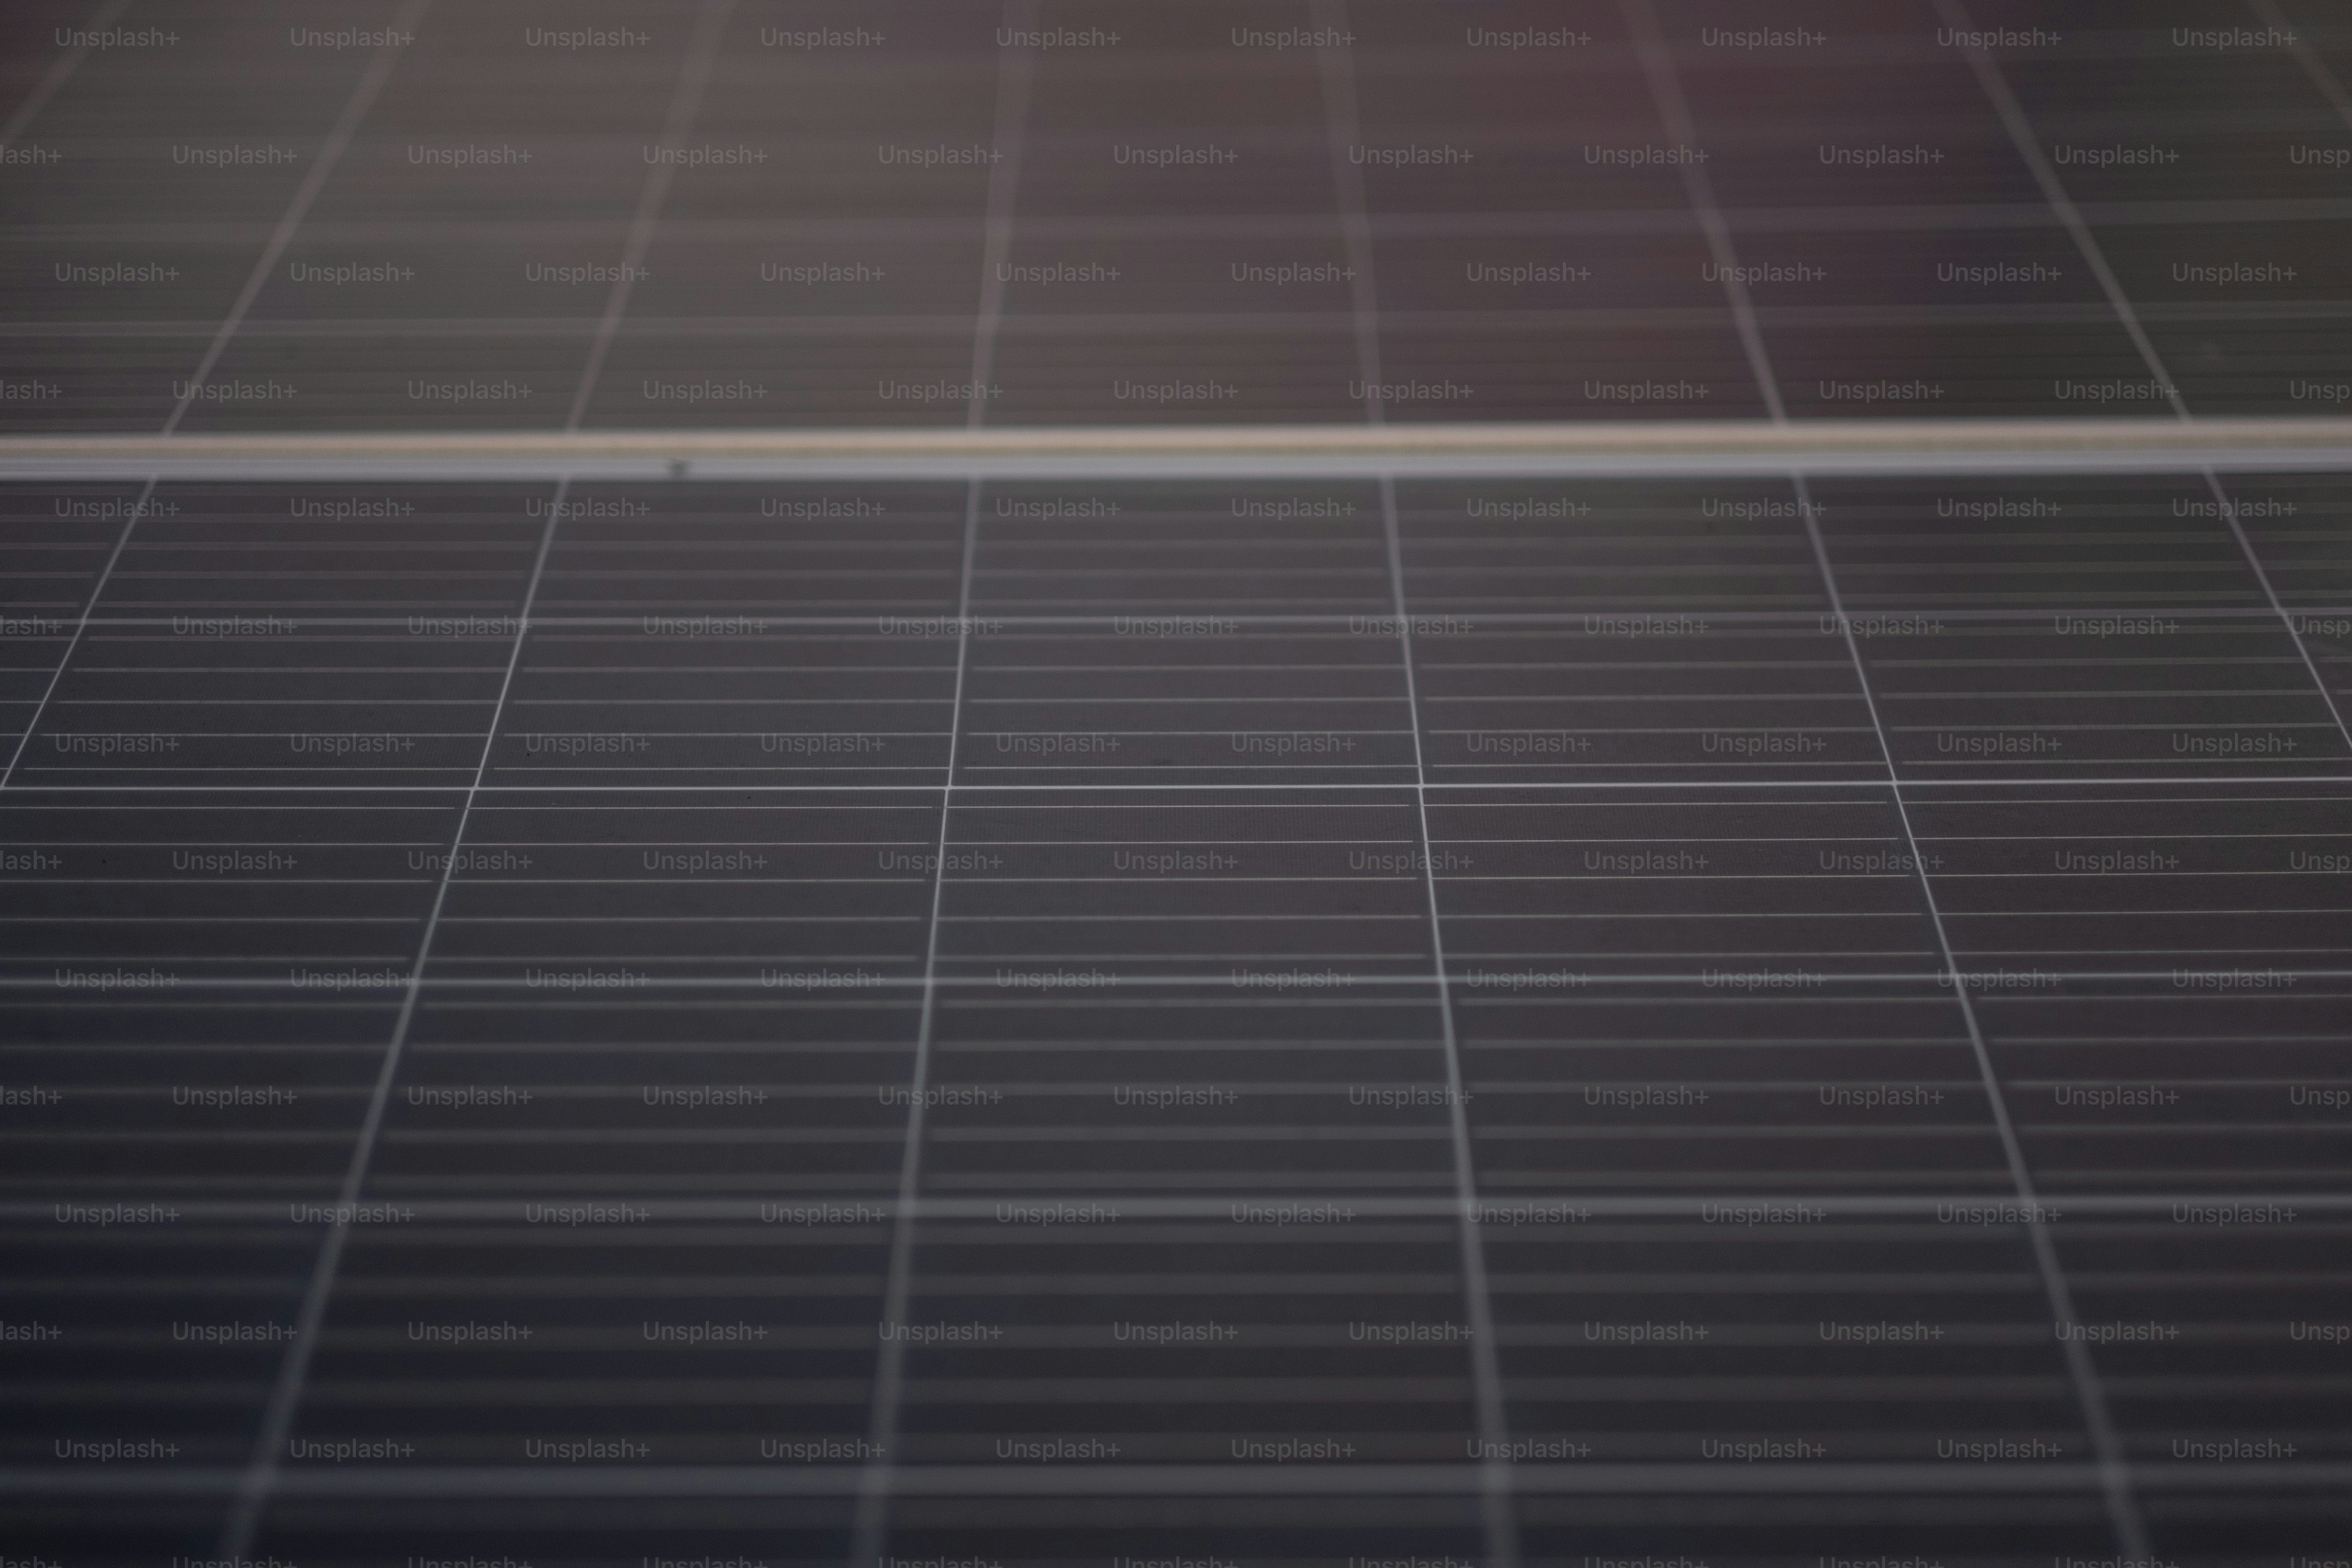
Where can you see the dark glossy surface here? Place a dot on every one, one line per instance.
(1031, 1023)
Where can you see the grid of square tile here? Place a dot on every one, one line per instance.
(1446, 1023)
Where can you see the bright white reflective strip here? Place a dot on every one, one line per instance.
(1166, 452)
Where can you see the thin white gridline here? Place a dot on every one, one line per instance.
(56, 77)
(1498, 1511)
(2013, 120)
(701, 52)
(1734, 980)
(2313, 65)
(2286, 619)
(2123, 1508)
(2082, 1370)
(365, 91)
(253, 1495)
(81, 630)
(2114, 1474)
(875, 1478)
(1698, 1477)
(2115, 1477)
(286, 1389)
(322, 165)
(870, 1529)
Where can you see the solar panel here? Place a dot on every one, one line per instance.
(1429, 783)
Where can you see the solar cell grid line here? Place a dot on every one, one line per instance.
(323, 167)
(1662, 787)
(2158, 645)
(1014, 67)
(136, 509)
(204, 894)
(2309, 58)
(2069, 1037)
(1633, 1206)
(2014, 118)
(1652, 912)
(1174, 601)
(2226, 1087)
(1493, 1429)
(620, 1501)
(247, 1513)
(61, 69)
(1336, 75)
(2114, 1474)
(882, 1425)
(1337, 72)
(2295, 526)
(2230, 515)
(1658, 71)
(147, 499)
(2115, 1485)
(701, 53)
(871, 1524)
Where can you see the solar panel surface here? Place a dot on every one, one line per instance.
(1724, 1014)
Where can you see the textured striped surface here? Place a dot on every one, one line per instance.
(1292, 1008)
